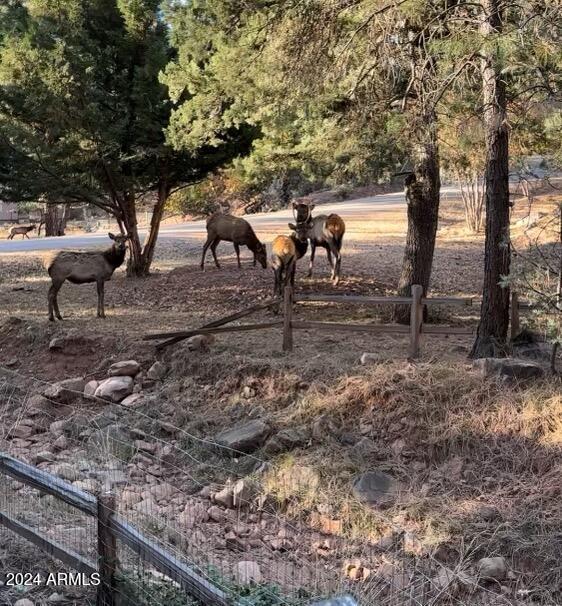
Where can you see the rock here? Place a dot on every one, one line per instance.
(286, 439)
(65, 392)
(55, 598)
(21, 431)
(376, 488)
(243, 492)
(246, 438)
(412, 544)
(248, 572)
(453, 581)
(130, 497)
(126, 368)
(133, 400)
(509, 368)
(364, 448)
(61, 443)
(56, 344)
(23, 602)
(149, 447)
(38, 404)
(216, 514)
(66, 472)
(494, 568)
(193, 515)
(163, 491)
(200, 342)
(487, 513)
(224, 497)
(369, 358)
(115, 389)
(90, 389)
(356, 571)
(44, 456)
(157, 372)
(234, 543)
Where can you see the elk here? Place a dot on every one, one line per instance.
(20, 229)
(85, 267)
(285, 252)
(235, 230)
(326, 231)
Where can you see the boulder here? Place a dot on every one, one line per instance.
(156, 372)
(224, 497)
(126, 368)
(376, 488)
(494, 568)
(246, 438)
(90, 389)
(21, 431)
(199, 342)
(66, 472)
(509, 368)
(193, 515)
(369, 358)
(65, 392)
(248, 572)
(115, 389)
(243, 492)
(286, 439)
(24, 602)
(133, 400)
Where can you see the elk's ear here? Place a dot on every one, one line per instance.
(112, 236)
(292, 226)
(311, 207)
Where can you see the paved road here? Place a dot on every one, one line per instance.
(274, 222)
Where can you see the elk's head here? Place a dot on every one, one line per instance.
(120, 241)
(302, 212)
(261, 255)
(302, 230)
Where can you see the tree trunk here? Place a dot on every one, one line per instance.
(55, 220)
(157, 213)
(422, 197)
(491, 338)
(140, 257)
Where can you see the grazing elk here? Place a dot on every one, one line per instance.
(326, 231)
(84, 267)
(235, 230)
(20, 229)
(285, 252)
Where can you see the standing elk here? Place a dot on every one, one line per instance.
(235, 230)
(285, 252)
(20, 229)
(85, 267)
(326, 231)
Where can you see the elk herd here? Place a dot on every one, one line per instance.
(325, 231)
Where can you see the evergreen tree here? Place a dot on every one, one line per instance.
(83, 113)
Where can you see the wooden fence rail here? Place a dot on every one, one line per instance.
(110, 528)
(415, 329)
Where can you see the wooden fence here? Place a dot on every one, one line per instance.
(110, 529)
(415, 329)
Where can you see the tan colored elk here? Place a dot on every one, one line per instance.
(20, 229)
(235, 230)
(326, 231)
(83, 268)
(285, 252)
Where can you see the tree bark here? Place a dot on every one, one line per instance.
(422, 197)
(156, 219)
(55, 220)
(491, 338)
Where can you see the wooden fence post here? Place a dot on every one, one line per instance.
(107, 551)
(515, 324)
(416, 319)
(288, 319)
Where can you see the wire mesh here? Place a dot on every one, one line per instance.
(211, 508)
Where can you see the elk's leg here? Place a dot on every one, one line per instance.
(278, 277)
(312, 253)
(101, 297)
(334, 251)
(26, 236)
(214, 251)
(53, 302)
(292, 271)
(208, 243)
(237, 250)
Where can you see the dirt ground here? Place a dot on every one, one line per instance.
(457, 443)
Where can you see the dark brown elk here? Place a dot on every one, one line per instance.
(285, 252)
(235, 230)
(20, 229)
(83, 268)
(326, 231)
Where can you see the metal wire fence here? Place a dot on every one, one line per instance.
(207, 505)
